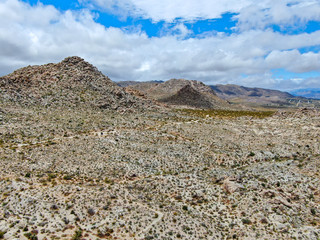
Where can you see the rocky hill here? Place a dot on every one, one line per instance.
(72, 82)
(181, 92)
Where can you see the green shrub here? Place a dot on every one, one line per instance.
(31, 236)
(246, 221)
(2, 234)
(251, 154)
(67, 177)
(77, 235)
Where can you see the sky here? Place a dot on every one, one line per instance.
(268, 43)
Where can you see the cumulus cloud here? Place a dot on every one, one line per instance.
(168, 10)
(268, 81)
(282, 13)
(291, 84)
(41, 34)
(250, 13)
(294, 61)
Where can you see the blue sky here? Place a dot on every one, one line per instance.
(270, 44)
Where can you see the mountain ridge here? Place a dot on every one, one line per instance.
(243, 97)
(179, 92)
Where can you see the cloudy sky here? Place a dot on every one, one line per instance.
(267, 43)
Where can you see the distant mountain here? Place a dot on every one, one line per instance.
(253, 96)
(307, 92)
(230, 91)
(260, 97)
(181, 92)
(200, 95)
(72, 82)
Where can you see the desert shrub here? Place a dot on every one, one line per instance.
(31, 236)
(77, 235)
(251, 154)
(67, 177)
(2, 234)
(246, 221)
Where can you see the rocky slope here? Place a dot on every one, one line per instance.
(181, 92)
(72, 82)
(130, 83)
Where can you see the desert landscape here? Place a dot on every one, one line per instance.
(83, 158)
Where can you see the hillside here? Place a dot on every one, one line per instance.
(181, 92)
(72, 82)
(261, 97)
(231, 91)
(130, 83)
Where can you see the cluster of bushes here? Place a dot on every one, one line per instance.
(226, 113)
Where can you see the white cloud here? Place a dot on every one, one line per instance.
(283, 13)
(169, 10)
(290, 84)
(294, 61)
(122, 8)
(42, 34)
(269, 82)
(251, 13)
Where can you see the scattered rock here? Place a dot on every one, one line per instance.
(230, 186)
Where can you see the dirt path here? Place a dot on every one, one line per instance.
(154, 222)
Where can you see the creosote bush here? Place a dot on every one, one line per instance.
(77, 235)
